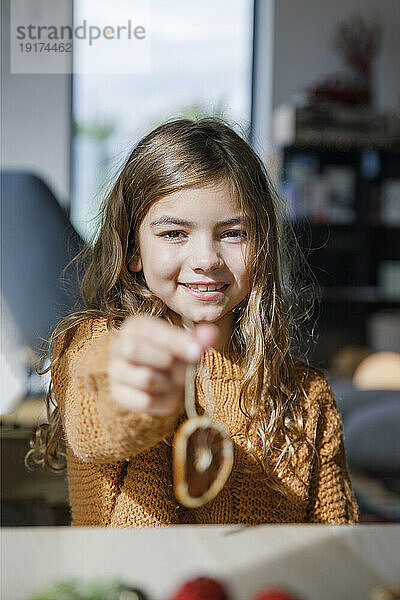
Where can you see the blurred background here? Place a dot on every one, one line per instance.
(314, 87)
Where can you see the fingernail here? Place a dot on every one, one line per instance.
(193, 351)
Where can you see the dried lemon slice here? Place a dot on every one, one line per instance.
(203, 460)
(202, 448)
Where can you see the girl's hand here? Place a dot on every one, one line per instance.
(148, 361)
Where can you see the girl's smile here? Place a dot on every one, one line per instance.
(192, 250)
(205, 291)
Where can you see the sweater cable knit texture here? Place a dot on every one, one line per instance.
(119, 462)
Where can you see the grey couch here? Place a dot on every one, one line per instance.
(371, 424)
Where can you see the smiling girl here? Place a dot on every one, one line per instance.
(191, 231)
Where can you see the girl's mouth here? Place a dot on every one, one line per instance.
(209, 292)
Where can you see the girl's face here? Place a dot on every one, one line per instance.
(192, 238)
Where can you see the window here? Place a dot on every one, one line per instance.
(201, 64)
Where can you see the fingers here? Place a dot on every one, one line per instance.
(146, 352)
(147, 379)
(141, 329)
(148, 361)
(143, 402)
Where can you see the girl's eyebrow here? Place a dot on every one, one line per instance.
(169, 220)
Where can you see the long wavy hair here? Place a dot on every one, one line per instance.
(270, 322)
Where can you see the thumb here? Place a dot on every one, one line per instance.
(206, 334)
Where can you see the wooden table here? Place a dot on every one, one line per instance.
(318, 562)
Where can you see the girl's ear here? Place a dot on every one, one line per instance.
(135, 264)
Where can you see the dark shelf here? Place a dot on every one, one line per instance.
(358, 293)
(307, 223)
(383, 227)
(347, 259)
(344, 226)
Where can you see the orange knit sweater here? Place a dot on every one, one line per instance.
(119, 462)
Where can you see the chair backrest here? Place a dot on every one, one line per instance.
(37, 242)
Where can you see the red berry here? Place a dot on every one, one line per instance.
(202, 588)
(273, 594)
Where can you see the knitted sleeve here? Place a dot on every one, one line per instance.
(96, 428)
(331, 498)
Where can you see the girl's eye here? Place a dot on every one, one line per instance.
(236, 234)
(171, 235)
(177, 235)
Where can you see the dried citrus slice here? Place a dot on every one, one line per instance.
(203, 459)
(202, 447)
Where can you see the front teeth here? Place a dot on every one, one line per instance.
(206, 288)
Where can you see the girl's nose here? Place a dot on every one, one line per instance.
(206, 258)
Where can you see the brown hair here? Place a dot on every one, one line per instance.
(267, 334)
